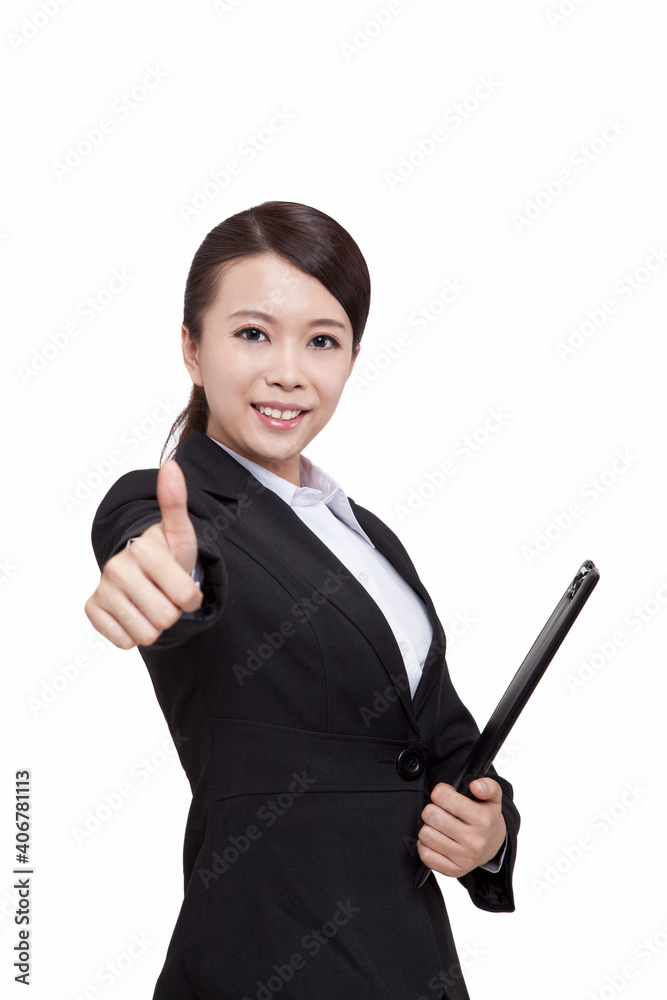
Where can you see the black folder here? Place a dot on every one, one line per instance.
(522, 686)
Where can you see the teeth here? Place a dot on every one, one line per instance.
(281, 414)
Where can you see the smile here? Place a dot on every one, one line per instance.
(272, 417)
(282, 414)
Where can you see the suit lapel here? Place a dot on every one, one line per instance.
(272, 533)
(378, 533)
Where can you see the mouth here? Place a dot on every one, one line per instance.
(273, 416)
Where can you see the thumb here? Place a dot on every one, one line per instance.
(486, 789)
(177, 528)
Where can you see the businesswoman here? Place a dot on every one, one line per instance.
(296, 655)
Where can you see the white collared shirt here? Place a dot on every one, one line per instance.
(324, 508)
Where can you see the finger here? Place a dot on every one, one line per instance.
(159, 566)
(438, 841)
(142, 630)
(442, 819)
(172, 496)
(486, 789)
(462, 808)
(108, 626)
(438, 862)
(140, 607)
(446, 797)
(462, 846)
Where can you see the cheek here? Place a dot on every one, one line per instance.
(230, 377)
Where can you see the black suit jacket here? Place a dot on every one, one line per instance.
(288, 701)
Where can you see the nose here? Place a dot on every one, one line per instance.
(286, 367)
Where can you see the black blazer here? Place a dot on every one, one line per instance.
(288, 701)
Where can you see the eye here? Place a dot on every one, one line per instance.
(334, 343)
(326, 336)
(250, 329)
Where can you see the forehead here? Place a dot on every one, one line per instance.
(268, 284)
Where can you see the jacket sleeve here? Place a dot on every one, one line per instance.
(455, 734)
(131, 506)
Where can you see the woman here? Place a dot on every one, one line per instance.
(295, 653)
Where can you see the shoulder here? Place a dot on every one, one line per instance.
(134, 485)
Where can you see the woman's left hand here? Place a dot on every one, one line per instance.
(460, 833)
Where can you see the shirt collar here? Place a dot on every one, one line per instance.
(318, 487)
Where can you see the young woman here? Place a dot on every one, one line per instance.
(295, 653)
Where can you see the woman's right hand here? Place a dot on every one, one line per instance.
(145, 588)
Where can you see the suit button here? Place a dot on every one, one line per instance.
(410, 763)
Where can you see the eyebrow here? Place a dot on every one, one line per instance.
(267, 317)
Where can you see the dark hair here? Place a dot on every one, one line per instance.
(303, 236)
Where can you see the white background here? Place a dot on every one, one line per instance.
(486, 542)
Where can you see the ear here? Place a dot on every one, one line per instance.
(356, 355)
(191, 356)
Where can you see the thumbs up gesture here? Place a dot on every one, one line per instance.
(145, 588)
